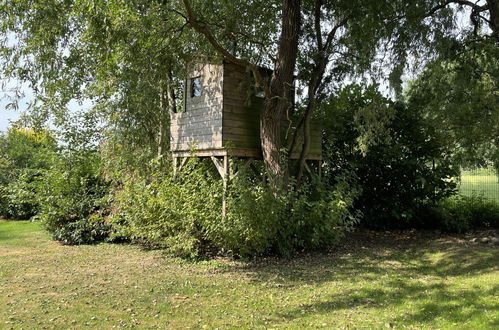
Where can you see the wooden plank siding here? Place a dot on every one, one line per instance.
(315, 140)
(226, 116)
(200, 125)
(241, 109)
(241, 114)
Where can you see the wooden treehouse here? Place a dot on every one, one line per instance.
(221, 117)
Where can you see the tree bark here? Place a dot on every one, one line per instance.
(281, 91)
(163, 117)
(170, 94)
(162, 124)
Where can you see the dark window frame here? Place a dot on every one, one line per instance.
(196, 87)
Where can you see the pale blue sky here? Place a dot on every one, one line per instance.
(8, 115)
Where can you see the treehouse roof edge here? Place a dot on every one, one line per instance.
(220, 60)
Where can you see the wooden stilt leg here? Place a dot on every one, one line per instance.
(182, 163)
(175, 160)
(307, 168)
(177, 164)
(226, 171)
(319, 168)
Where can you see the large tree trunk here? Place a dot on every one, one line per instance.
(281, 92)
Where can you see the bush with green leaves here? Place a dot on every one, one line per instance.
(25, 155)
(260, 220)
(89, 230)
(19, 198)
(184, 214)
(168, 212)
(401, 161)
(460, 214)
(74, 199)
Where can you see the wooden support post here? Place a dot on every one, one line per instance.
(176, 166)
(226, 169)
(223, 168)
(184, 160)
(175, 160)
(225, 177)
(307, 168)
(219, 165)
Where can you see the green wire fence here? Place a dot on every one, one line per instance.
(482, 181)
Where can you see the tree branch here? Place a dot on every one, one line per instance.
(317, 16)
(318, 72)
(332, 34)
(204, 30)
(459, 2)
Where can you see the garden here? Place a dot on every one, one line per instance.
(249, 164)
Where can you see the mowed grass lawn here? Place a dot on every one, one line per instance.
(372, 280)
(488, 185)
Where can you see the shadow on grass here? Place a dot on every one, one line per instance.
(415, 258)
(422, 279)
(430, 301)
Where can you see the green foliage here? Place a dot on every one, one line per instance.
(18, 197)
(167, 212)
(482, 171)
(260, 220)
(73, 199)
(88, 230)
(461, 96)
(28, 147)
(116, 53)
(461, 213)
(26, 154)
(410, 165)
(184, 215)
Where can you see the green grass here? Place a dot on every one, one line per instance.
(372, 281)
(487, 185)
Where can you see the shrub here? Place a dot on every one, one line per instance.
(168, 213)
(484, 212)
(18, 197)
(184, 216)
(88, 230)
(460, 214)
(401, 164)
(73, 199)
(25, 154)
(260, 220)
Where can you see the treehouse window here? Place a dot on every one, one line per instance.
(196, 88)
